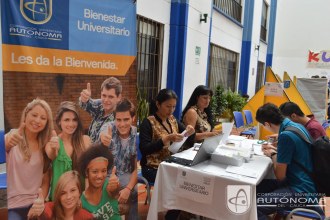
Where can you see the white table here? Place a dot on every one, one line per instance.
(165, 196)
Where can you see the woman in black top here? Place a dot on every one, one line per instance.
(158, 131)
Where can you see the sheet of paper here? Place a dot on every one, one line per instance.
(226, 129)
(195, 186)
(188, 154)
(231, 151)
(176, 145)
(236, 137)
(257, 148)
(242, 171)
(248, 143)
(273, 89)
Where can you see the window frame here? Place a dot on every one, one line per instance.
(220, 65)
(231, 8)
(150, 41)
(264, 22)
(260, 76)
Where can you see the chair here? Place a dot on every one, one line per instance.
(239, 122)
(2, 147)
(326, 127)
(141, 179)
(301, 212)
(249, 119)
(3, 175)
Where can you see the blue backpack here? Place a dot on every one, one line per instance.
(320, 149)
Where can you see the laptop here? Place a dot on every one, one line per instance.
(194, 156)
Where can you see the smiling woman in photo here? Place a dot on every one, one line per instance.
(27, 163)
(71, 142)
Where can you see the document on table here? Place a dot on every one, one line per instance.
(177, 145)
(258, 149)
(188, 154)
(242, 171)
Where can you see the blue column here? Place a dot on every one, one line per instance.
(271, 33)
(177, 50)
(209, 48)
(246, 47)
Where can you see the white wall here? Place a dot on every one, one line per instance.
(301, 25)
(197, 36)
(160, 11)
(226, 33)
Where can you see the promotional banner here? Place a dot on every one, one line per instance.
(66, 64)
(319, 59)
(76, 36)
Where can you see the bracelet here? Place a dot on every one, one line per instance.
(128, 188)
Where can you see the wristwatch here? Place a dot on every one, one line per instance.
(272, 154)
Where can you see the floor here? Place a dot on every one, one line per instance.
(142, 207)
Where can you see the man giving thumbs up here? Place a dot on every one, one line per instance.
(101, 109)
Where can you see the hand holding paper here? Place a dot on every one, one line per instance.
(175, 146)
(189, 131)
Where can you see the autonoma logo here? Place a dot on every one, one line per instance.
(238, 198)
(36, 11)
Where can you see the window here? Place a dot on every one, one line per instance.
(149, 56)
(260, 76)
(232, 8)
(223, 68)
(264, 14)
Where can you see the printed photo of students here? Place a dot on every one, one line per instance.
(120, 138)
(66, 201)
(27, 163)
(101, 109)
(99, 196)
(72, 142)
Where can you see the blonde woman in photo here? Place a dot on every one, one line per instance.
(66, 204)
(27, 163)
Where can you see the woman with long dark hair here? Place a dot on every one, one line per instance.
(198, 114)
(158, 131)
(72, 142)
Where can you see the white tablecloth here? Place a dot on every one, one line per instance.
(165, 198)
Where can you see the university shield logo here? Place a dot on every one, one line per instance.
(238, 198)
(36, 11)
